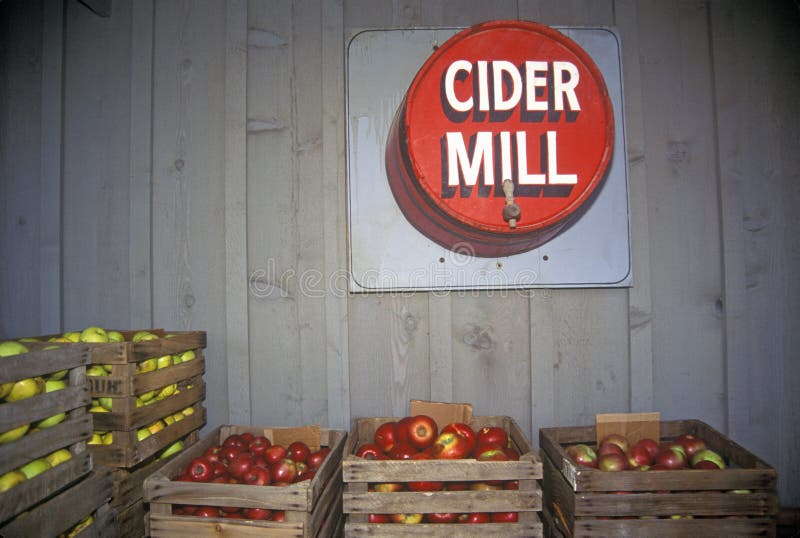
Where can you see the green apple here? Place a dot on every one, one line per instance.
(5, 389)
(74, 336)
(26, 388)
(94, 335)
(141, 336)
(58, 457)
(35, 467)
(164, 361)
(12, 347)
(60, 339)
(167, 391)
(707, 454)
(96, 370)
(115, 336)
(13, 434)
(174, 448)
(147, 365)
(169, 420)
(52, 385)
(109, 368)
(147, 396)
(28, 339)
(80, 527)
(178, 417)
(188, 355)
(108, 438)
(98, 409)
(11, 479)
(106, 402)
(51, 421)
(142, 434)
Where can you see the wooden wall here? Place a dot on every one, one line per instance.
(182, 164)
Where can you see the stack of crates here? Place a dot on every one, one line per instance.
(47, 482)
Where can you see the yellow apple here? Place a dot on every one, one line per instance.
(96, 370)
(147, 396)
(98, 409)
(108, 438)
(141, 336)
(26, 388)
(94, 335)
(142, 434)
(174, 448)
(188, 411)
(5, 389)
(115, 336)
(97, 439)
(28, 339)
(147, 365)
(73, 336)
(156, 427)
(11, 479)
(80, 527)
(35, 467)
(10, 348)
(169, 420)
(58, 457)
(178, 417)
(164, 361)
(60, 339)
(49, 422)
(167, 391)
(188, 355)
(52, 385)
(13, 434)
(106, 402)
(109, 368)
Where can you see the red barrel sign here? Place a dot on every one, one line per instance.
(502, 140)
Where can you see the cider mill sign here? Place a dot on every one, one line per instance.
(502, 141)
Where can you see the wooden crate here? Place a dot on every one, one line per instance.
(313, 508)
(70, 434)
(131, 521)
(359, 502)
(127, 451)
(588, 502)
(60, 512)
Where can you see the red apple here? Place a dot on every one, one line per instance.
(582, 454)
(227, 453)
(283, 471)
(609, 448)
(490, 452)
(491, 435)
(247, 437)
(257, 476)
(278, 515)
(421, 431)
(707, 465)
(240, 465)
(257, 513)
(385, 487)
(386, 436)
(505, 517)
(449, 517)
(612, 462)
(402, 451)
(691, 444)
(464, 431)
(315, 459)
(671, 458)
(617, 439)
(274, 454)
(650, 445)
(235, 440)
(639, 456)
(369, 451)
(378, 518)
(475, 517)
(706, 454)
(298, 451)
(208, 511)
(258, 445)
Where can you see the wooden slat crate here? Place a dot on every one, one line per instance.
(127, 450)
(62, 511)
(313, 508)
(359, 502)
(70, 434)
(583, 501)
(128, 491)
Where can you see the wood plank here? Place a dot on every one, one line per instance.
(758, 163)
(685, 250)
(237, 345)
(188, 192)
(640, 303)
(141, 158)
(334, 191)
(51, 152)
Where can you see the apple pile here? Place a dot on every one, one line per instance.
(614, 453)
(33, 468)
(14, 391)
(254, 460)
(419, 438)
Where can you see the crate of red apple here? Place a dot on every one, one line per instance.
(690, 480)
(250, 480)
(417, 475)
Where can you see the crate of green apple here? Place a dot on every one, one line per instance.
(265, 481)
(410, 476)
(43, 421)
(692, 480)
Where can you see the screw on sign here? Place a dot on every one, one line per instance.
(502, 140)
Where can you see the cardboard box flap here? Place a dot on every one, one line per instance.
(634, 426)
(443, 413)
(310, 435)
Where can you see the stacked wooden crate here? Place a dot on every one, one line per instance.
(132, 436)
(739, 500)
(311, 508)
(49, 447)
(360, 500)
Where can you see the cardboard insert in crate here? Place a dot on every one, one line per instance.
(43, 423)
(583, 501)
(312, 507)
(85, 503)
(359, 500)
